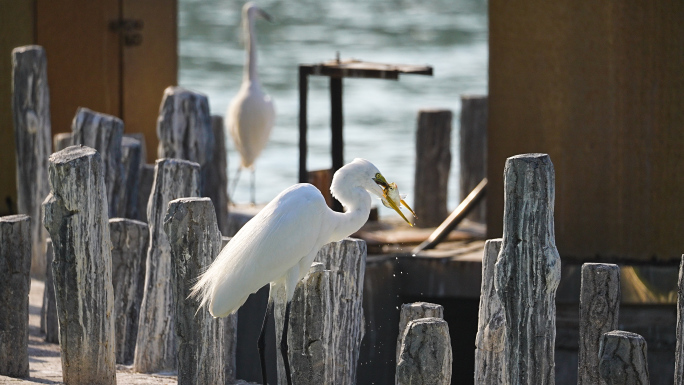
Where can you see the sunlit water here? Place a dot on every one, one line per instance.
(379, 115)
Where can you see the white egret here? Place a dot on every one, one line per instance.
(280, 243)
(251, 113)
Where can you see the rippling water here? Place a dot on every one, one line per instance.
(380, 115)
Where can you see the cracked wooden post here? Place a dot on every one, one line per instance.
(61, 141)
(145, 190)
(473, 149)
(679, 350)
(104, 133)
(75, 214)
(15, 283)
(425, 356)
(343, 313)
(528, 270)
(599, 309)
(433, 162)
(131, 161)
(413, 311)
(491, 325)
(216, 177)
(48, 314)
(229, 337)
(32, 138)
(622, 358)
(195, 239)
(155, 349)
(130, 240)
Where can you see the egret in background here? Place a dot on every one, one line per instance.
(279, 244)
(251, 113)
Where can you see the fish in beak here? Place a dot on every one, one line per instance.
(391, 197)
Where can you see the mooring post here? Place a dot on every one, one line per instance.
(491, 324)
(61, 141)
(195, 239)
(48, 313)
(473, 148)
(155, 349)
(32, 138)
(15, 283)
(599, 310)
(131, 161)
(75, 214)
(414, 311)
(145, 190)
(104, 133)
(425, 356)
(527, 270)
(622, 358)
(130, 240)
(433, 162)
(679, 350)
(216, 178)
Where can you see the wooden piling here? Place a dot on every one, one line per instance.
(599, 310)
(48, 313)
(104, 133)
(15, 283)
(75, 214)
(61, 141)
(622, 358)
(195, 239)
(433, 162)
(32, 138)
(679, 350)
(414, 311)
(156, 343)
(230, 327)
(144, 190)
(491, 325)
(131, 161)
(130, 240)
(216, 177)
(473, 149)
(528, 270)
(425, 356)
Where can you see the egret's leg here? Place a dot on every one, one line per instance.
(252, 186)
(261, 343)
(235, 182)
(283, 344)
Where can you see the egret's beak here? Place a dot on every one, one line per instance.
(264, 15)
(396, 208)
(391, 198)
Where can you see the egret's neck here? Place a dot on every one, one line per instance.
(250, 72)
(358, 204)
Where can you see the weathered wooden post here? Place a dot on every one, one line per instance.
(230, 326)
(599, 310)
(131, 160)
(414, 311)
(528, 270)
(473, 148)
(75, 214)
(103, 133)
(48, 313)
(32, 138)
(425, 356)
(679, 350)
(130, 240)
(145, 190)
(15, 283)
(155, 349)
(433, 162)
(61, 141)
(216, 178)
(491, 324)
(622, 358)
(195, 239)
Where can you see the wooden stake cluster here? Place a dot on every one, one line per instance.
(599, 310)
(48, 314)
(414, 311)
(156, 343)
(528, 270)
(130, 240)
(433, 162)
(623, 359)
(215, 175)
(191, 227)
(425, 356)
(473, 148)
(75, 214)
(15, 283)
(32, 136)
(490, 341)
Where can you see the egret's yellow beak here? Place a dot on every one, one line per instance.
(391, 197)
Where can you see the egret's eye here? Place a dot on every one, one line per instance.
(380, 180)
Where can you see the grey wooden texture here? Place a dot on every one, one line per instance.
(48, 313)
(195, 239)
(140, 137)
(75, 214)
(155, 349)
(131, 161)
(599, 311)
(490, 340)
(32, 138)
(425, 356)
(15, 283)
(622, 358)
(528, 270)
(473, 149)
(215, 175)
(130, 239)
(144, 190)
(433, 163)
(413, 311)
(61, 141)
(679, 350)
(103, 133)
(342, 315)
(229, 337)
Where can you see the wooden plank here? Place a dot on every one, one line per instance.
(352, 68)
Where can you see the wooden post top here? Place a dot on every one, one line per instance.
(353, 68)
